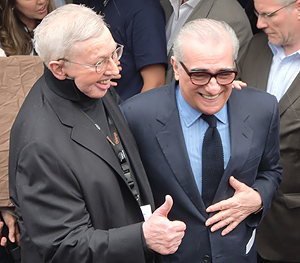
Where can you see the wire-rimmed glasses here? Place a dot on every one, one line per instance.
(271, 14)
(101, 65)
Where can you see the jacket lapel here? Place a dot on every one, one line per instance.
(291, 95)
(240, 142)
(171, 141)
(202, 10)
(84, 130)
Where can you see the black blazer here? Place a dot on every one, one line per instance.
(154, 121)
(71, 197)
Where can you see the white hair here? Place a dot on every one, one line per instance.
(56, 34)
(205, 29)
(287, 3)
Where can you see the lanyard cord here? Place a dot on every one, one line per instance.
(120, 153)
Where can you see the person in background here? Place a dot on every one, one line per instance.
(209, 146)
(179, 12)
(18, 19)
(272, 63)
(75, 175)
(140, 27)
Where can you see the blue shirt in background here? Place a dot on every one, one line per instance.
(139, 25)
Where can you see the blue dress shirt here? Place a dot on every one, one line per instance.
(283, 71)
(194, 128)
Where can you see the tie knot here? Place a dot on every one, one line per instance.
(210, 119)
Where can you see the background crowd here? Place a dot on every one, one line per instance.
(267, 57)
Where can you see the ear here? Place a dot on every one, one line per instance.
(57, 68)
(175, 68)
(298, 8)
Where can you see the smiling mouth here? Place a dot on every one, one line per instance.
(210, 97)
(104, 81)
(42, 9)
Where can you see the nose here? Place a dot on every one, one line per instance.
(261, 23)
(112, 68)
(213, 87)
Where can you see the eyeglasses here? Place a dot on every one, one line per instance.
(102, 64)
(223, 77)
(269, 15)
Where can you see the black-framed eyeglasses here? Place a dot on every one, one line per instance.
(269, 15)
(102, 64)
(223, 77)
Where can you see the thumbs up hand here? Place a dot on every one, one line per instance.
(161, 234)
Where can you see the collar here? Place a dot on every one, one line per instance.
(190, 115)
(67, 89)
(176, 4)
(278, 50)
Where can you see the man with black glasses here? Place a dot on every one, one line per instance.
(272, 63)
(210, 146)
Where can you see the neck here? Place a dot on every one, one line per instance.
(290, 49)
(28, 22)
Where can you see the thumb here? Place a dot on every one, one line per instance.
(165, 208)
(236, 184)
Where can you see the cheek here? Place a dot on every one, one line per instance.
(86, 81)
(26, 10)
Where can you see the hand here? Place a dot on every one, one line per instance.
(234, 210)
(112, 83)
(161, 234)
(13, 229)
(238, 84)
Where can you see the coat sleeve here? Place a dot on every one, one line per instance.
(56, 218)
(269, 172)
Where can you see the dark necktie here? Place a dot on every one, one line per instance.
(212, 160)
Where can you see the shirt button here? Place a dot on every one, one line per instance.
(206, 259)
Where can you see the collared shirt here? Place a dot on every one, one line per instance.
(283, 71)
(194, 128)
(180, 14)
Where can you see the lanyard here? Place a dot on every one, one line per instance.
(117, 146)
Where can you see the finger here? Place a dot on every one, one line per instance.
(229, 228)
(236, 86)
(179, 226)
(222, 215)
(165, 208)
(222, 205)
(12, 233)
(220, 224)
(3, 242)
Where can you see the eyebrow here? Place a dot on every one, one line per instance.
(103, 57)
(206, 70)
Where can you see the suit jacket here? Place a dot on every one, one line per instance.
(66, 183)
(154, 120)
(279, 233)
(229, 11)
